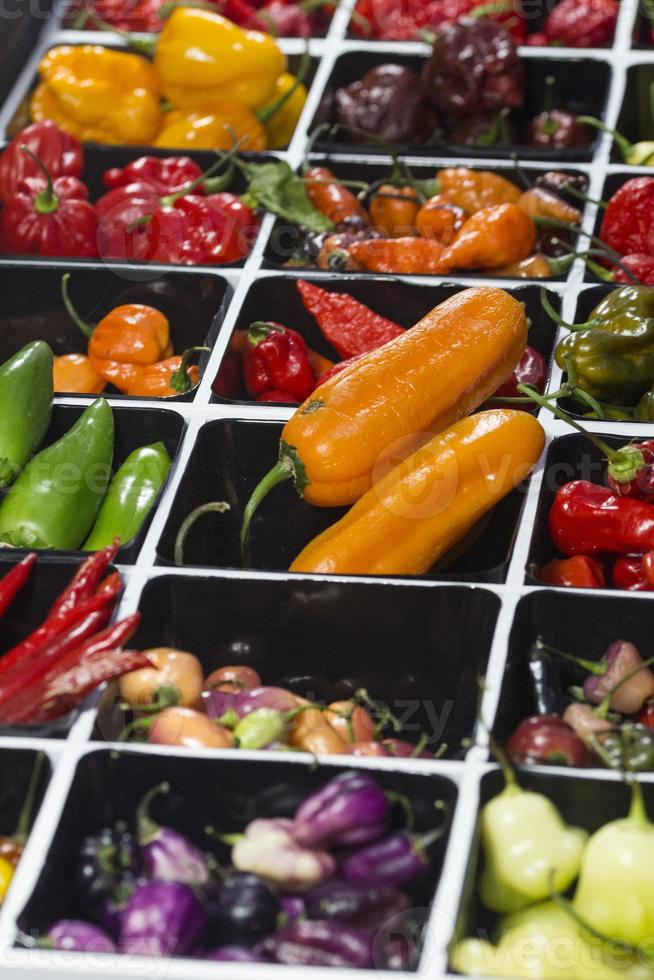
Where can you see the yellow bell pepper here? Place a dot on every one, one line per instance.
(281, 125)
(204, 58)
(213, 127)
(6, 874)
(98, 94)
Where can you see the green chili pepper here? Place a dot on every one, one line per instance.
(55, 500)
(25, 406)
(260, 728)
(131, 496)
(628, 748)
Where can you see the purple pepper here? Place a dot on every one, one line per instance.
(82, 937)
(320, 943)
(351, 809)
(276, 698)
(235, 954)
(163, 918)
(358, 904)
(216, 703)
(393, 861)
(293, 907)
(166, 854)
(619, 660)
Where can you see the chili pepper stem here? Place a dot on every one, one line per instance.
(215, 506)
(146, 827)
(621, 141)
(86, 328)
(265, 115)
(47, 201)
(590, 665)
(560, 322)
(144, 45)
(603, 707)
(637, 811)
(223, 158)
(281, 471)
(179, 379)
(25, 818)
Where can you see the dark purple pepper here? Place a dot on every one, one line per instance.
(293, 907)
(82, 937)
(557, 129)
(484, 130)
(393, 861)
(235, 954)
(217, 703)
(317, 943)
(163, 918)
(351, 809)
(387, 102)
(167, 855)
(244, 910)
(108, 869)
(359, 904)
(474, 68)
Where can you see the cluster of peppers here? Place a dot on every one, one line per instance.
(462, 219)
(570, 23)
(607, 719)
(175, 705)
(310, 890)
(73, 651)
(208, 80)
(531, 858)
(64, 496)
(464, 96)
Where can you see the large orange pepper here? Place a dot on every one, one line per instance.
(490, 239)
(427, 503)
(392, 399)
(473, 190)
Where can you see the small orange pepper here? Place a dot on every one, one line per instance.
(394, 209)
(167, 378)
(441, 219)
(491, 239)
(75, 373)
(410, 255)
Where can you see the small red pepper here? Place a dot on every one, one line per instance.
(142, 16)
(282, 19)
(14, 580)
(628, 574)
(627, 222)
(646, 716)
(85, 580)
(639, 265)
(276, 395)
(642, 485)
(60, 153)
(578, 572)
(46, 217)
(351, 327)
(589, 519)
(164, 175)
(582, 23)
(277, 357)
(530, 370)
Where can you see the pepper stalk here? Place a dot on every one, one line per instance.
(46, 202)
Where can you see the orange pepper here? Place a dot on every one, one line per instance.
(439, 218)
(411, 255)
(312, 732)
(321, 365)
(394, 210)
(330, 197)
(473, 190)
(167, 378)
(492, 238)
(75, 373)
(539, 203)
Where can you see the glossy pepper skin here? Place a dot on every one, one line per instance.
(619, 660)
(269, 849)
(394, 210)
(472, 190)
(99, 95)
(165, 175)
(59, 152)
(244, 910)
(388, 102)
(279, 128)
(492, 238)
(276, 357)
(589, 24)
(213, 126)
(546, 739)
(359, 904)
(55, 500)
(474, 67)
(578, 572)
(351, 809)
(321, 943)
(166, 854)
(627, 219)
(629, 748)
(25, 406)
(162, 918)
(75, 373)
(589, 519)
(332, 199)
(75, 934)
(46, 217)
(408, 255)
(393, 861)
(126, 340)
(166, 379)
(557, 129)
(531, 370)
(130, 497)
(202, 57)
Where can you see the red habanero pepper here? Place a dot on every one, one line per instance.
(628, 574)
(219, 228)
(14, 580)
(331, 198)
(276, 357)
(164, 175)
(578, 572)
(582, 23)
(530, 370)
(639, 265)
(61, 154)
(642, 485)
(278, 396)
(46, 217)
(589, 519)
(85, 580)
(349, 326)
(629, 216)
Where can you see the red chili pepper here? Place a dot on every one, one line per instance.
(61, 154)
(579, 572)
(588, 519)
(646, 716)
(530, 370)
(338, 368)
(331, 198)
(642, 485)
(629, 217)
(628, 574)
(349, 326)
(163, 175)
(142, 16)
(14, 580)
(112, 583)
(275, 395)
(641, 266)
(277, 357)
(282, 19)
(21, 698)
(582, 23)
(85, 580)
(508, 14)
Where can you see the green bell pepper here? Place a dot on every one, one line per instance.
(55, 500)
(131, 496)
(25, 407)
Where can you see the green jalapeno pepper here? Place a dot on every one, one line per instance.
(55, 500)
(25, 406)
(132, 494)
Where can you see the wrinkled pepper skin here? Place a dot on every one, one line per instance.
(202, 57)
(388, 102)
(164, 175)
(612, 367)
(131, 496)
(453, 489)
(55, 500)
(627, 221)
(99, 95)
(59, 152)
(491, 239)
(49, 218)
(475, 338)
(25, 406)
(472, 190)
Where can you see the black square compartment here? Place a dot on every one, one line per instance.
(581, 87)
(636, 119)
(133, 427)
(424, 659)
(16, 771)
(583, 625)
(229, 458)
(33, 309)
(20, 27)
(277, 298)
(586, 803)
(285, 241)
(226, 793)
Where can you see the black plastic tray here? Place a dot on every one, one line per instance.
(20, 27)
(16, 769)
(636, 120)
(423, 659)
(277, 298)
(33, 308)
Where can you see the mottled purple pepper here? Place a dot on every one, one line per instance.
(351, 809)
(358, 903)
(163, 918)
(167, 855)
(268, 849)
(82, 937)
(394, 860)
(318, 943)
